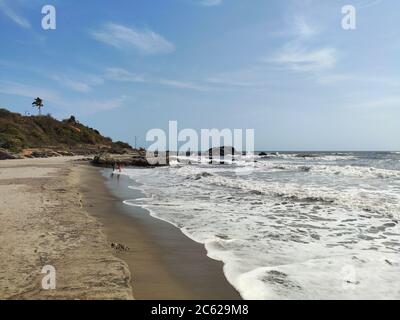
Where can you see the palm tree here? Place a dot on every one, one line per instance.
(38, 103)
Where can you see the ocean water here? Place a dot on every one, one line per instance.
(287, 226)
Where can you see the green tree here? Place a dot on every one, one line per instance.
(38, 103)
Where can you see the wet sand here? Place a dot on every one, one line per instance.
(164, 263)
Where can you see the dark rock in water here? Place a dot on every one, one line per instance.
(5, 155)
(136, 158)
(219, 154)
(266, 155)
(221, 151)
(306, 155)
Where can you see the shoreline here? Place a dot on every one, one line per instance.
(165, 264)
(65, 213)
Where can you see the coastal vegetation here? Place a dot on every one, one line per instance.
(38, 103)
(19, 133)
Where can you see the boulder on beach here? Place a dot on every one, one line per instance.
(44, 154)
(5, 155)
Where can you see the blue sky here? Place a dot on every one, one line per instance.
(284, 68)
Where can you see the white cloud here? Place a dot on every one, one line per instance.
(121, 37)
(331, 79)
(298, 54)
(87, 106)
(84, 85)
(357, 78)
(302, 28)
(181, 84)
(226, 81)
(385, 102)
(15, 17)
(22, 90)
(254, 76)
(361, 4)
(118, 74)
(301, 59)
(210, 3)
(91, 106)
(74, 85)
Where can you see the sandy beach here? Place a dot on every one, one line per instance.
(60, 212)
(43, 223)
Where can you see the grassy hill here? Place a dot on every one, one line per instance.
(19, 132)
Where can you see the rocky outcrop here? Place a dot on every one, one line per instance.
(137, 158)
(5, 155)
(44, 154)
(18, 132)
(65, 153)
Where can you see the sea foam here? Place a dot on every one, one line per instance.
(288, 232)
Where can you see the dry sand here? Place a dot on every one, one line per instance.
(42, 222)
